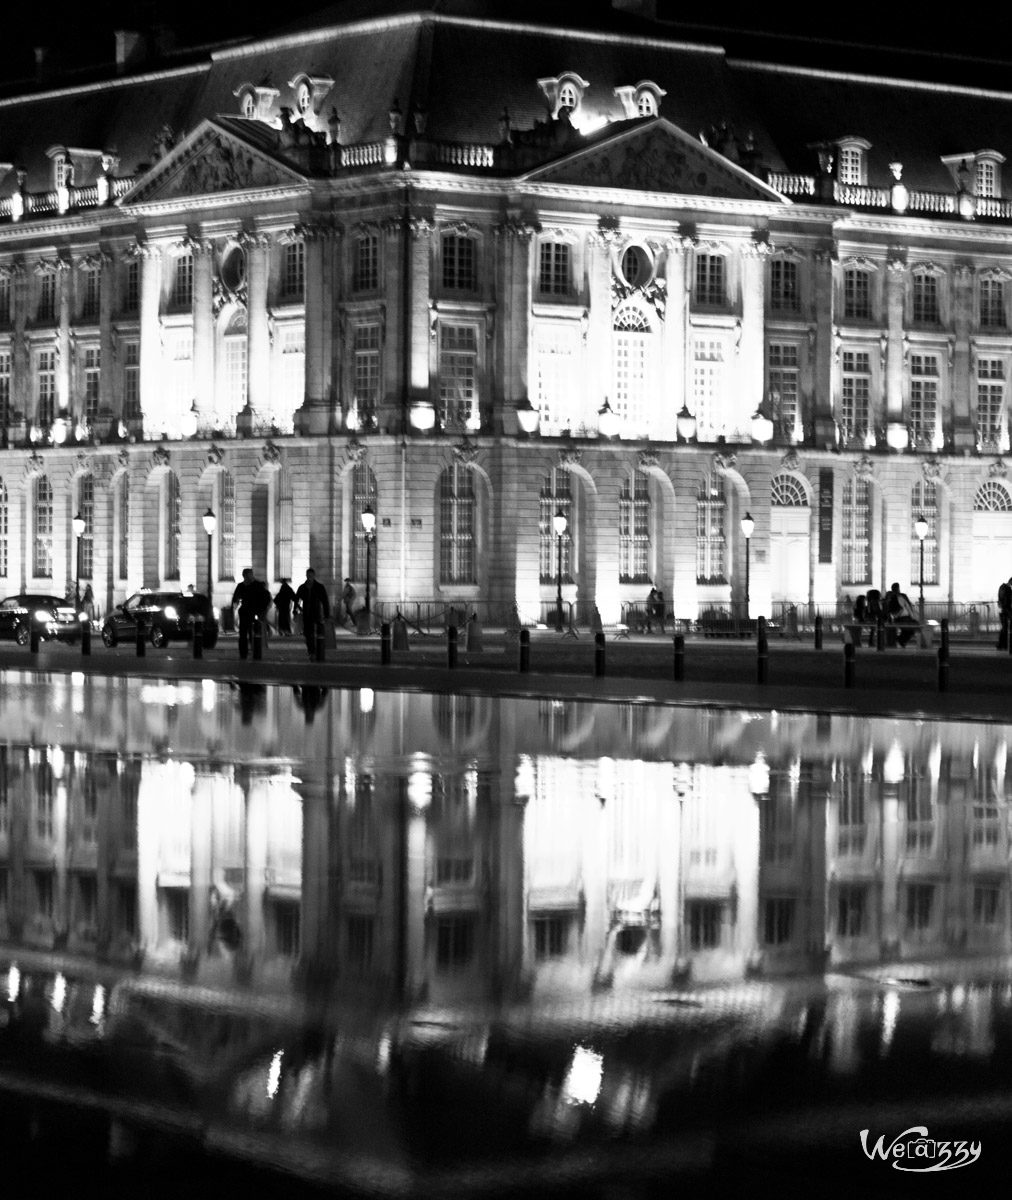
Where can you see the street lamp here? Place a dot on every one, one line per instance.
(369, 525)
(560, 525)
(79, 526)
(921, 529)
(747, 528)
(210, 523)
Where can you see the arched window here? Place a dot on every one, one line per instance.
(646, 104)
(924, 503)
(171, 528)
(711, 518)
(787, 492)
(363, 496)
(86, 544)
(42, 550)
(556, 497)
(4, 529)
(634, 528)
(457, 525)
(631, 358)
(992, 497)
(856, 532)
(226, 526)
(235, 380)
(568, 97)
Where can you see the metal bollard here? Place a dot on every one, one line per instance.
(880, 635)
(198, 638)
(141, 648)
(679, 662)
(943, 668)
(321, 645)
(848, 665)
(258, 639)
(818, 631)
(762, 653)
(945, 636)
(33, 638)
(598, 654)
(451, 646)
(85, 638)
(386, 643)
(525, 651)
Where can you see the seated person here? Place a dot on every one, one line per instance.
(899, 611)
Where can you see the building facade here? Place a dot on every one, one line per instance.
(472, 274)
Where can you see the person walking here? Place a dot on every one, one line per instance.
(312, 603)
(899, 611)
(348, 603)
(651, 609)
(283, 602)
(252, 599)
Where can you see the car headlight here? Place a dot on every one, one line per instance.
(216, 611)
(170, 613)
(40, 614)
(82, 615)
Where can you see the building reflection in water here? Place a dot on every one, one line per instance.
(459, 850)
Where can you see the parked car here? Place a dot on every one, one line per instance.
(166, 616)
(51, 616)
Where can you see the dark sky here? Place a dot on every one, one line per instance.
(969, 46)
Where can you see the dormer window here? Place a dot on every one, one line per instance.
(646, 104)
(248, 105)
(303, 99)
(564, 93)
(308, 92)
(63, 168)
(852, 161)
(568, 97)
(255, 103)
(979, 171)
(641, 100)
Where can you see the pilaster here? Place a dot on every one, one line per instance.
(822, 396)
(257, 246)
(315, 415)
(895, 292)
(151, 342)
(961, 403)
(203, 330)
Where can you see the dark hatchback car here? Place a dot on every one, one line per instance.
(52, 616)
(166, 616)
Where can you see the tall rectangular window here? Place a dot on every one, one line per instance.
(131, 381)
(46, 307)
(123, 520)
(710, 282)
(991, 301)
(783, 385)
(708, 387)
(634, 529)
(365, 267)
(850, 910)
(363, 496)
(555, 269)
(924, 397)
(784, 296)
(132, 286)
(173, 529)
(925, 298)
(5, 388)
(556, 497)
(182, 281)
(179, 384)
(235, 373)
(5, 300)
(293, 373)
(86, 542)
(857, 294)
(457, 525)
(631, 367)
(366, 372)
(42, 549)
(45, 386)
(459, 264)
(458, 375)
(990, 402)
(986, 185)
(4, 546)
(92, 382)
(711, 516)
(293, 270)
(556, 349)
(855, 398)
(919, 905)
(91, 292)
(856, 532)
(851, 165)
(226, 527)
(924, 502)
(704, 919)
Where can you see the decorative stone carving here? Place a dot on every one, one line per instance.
(654, 293)
(215, 456)
(463, 228)
(85, 465)
(317, 231)
(355, 452)
(34, 465)
(864, 468)
(570, 457)
(272, 453)
(608, 232)
(159, 457)
(647, 460)
(722, 463)
(465, 452)
(791, 461)
(521, 229)
(931, 469)
(421, 227)
(997, 469)
(220, 164)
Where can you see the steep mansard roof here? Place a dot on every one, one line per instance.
(464, 70)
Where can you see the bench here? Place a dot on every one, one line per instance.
(857, 629)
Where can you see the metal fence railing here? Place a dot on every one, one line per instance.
(972, 620)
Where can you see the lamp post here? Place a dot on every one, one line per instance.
(921, 529)
(369, 526)
(747, 528)
(210, 524)
(560, 524)
(79, 526)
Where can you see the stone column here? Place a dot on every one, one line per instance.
(823, 356)
(65, 349)
(203, 330)
(961, 383)
(751, 352)
(674, 343)
(258, 393)
(151, 337)
(513, 332)
(106, 344)
(314, 417)
(892, 385)
(21, 372)
(420, 320)
(597, 370)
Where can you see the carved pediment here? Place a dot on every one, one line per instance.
(211, 160)
(655, 157)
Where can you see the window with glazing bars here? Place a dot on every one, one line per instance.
(990, 400)
(710, 286)
(123, 518)
(711, 516)
(91, 293)
(783, 381)
(366, 371)
(991, 300)
(634, 529)
(704, 918)
(42, 555)
(924, 502)
(459, 265)
(45, 383)
(850, 909)
(365, 272)
(46, 309)
(132, 286)
(86, 542)
(856, 532)
(855, 396)
(131, 381)
(986, 185)
(182, 281)
(555, 269)
(226, 526)
(363, 496)
(923, 396)
(851, 813)
(784, 296)
(987, 905)
(92, 382)
(778, 920)
(4, 531)
(631, 371)
(556, 497)
(173, 532)
(454, 941)
(5, 300)
(293, 270)
(925, 298)
(458, 374)
(857, 294)
(920, 899)
(851, 165)
(5, 388)
(457, 521)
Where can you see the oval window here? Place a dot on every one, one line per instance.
(636, 266)
(233, 268)
(303, 97)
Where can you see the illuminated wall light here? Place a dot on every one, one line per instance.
(892, 768)
(59, 996)
(366, 700)
(13, 982)
(759, 776)
(97, 1005)
(420, 790)
(208, 695)
(890, 1015)
(897, 436)
(274, 1075)
(582, 1084)
(422, 415)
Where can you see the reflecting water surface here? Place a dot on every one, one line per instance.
(410, 944)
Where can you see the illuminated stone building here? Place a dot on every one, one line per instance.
(472, 272)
